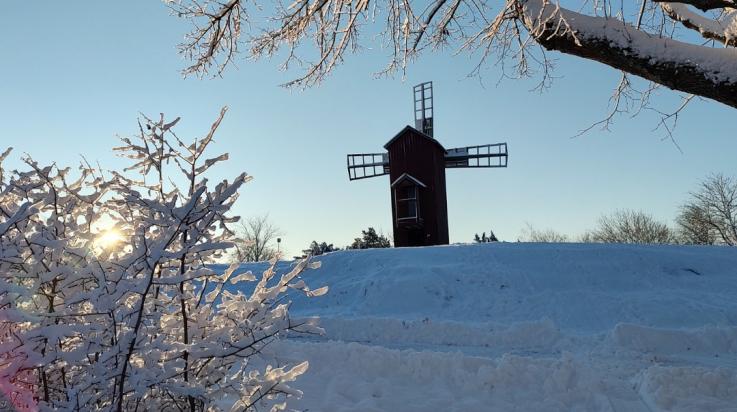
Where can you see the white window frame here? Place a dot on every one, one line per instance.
(407, 199)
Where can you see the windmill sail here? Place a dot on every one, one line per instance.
(365, 165)
(424, 108)
(488, 155)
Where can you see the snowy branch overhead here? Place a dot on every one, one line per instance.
(652, 40)
(705, 71)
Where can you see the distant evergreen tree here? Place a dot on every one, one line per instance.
(485, 239)
(317, 249)
(370, 240)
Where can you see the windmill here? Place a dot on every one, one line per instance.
(416, 163)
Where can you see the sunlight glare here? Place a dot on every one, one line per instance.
(109, 238)
(108, 234)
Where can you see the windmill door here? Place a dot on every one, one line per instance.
(416, 237)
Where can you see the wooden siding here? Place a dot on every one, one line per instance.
(416, 154)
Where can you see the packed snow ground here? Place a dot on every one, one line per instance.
(521, 327)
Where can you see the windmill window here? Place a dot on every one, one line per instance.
(406, 200)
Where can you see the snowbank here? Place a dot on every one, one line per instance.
(529, 327)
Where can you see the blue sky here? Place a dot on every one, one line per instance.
(76, 74)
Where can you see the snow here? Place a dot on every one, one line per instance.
(724, 28)
(527, 327)
(716, 64)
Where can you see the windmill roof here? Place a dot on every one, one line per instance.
(407, 176)
(410, 129)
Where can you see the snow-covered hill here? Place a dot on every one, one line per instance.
(526, 327)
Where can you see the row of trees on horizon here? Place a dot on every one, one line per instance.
(707, 217)
(257, 236)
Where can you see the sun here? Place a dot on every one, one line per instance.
(108, 234)
(109, 238)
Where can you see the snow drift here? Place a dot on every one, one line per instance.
(529, 327)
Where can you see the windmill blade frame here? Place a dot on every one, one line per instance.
(424, 108)
(487, 155)
(365, 165)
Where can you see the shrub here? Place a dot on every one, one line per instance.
(130, 316)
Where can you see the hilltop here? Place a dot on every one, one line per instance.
(529, 327)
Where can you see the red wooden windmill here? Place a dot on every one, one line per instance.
(416, 163)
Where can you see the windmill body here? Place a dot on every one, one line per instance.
(417, 181)
(416, 163)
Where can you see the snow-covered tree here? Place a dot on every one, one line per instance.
(686, 45)
(106, 298)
